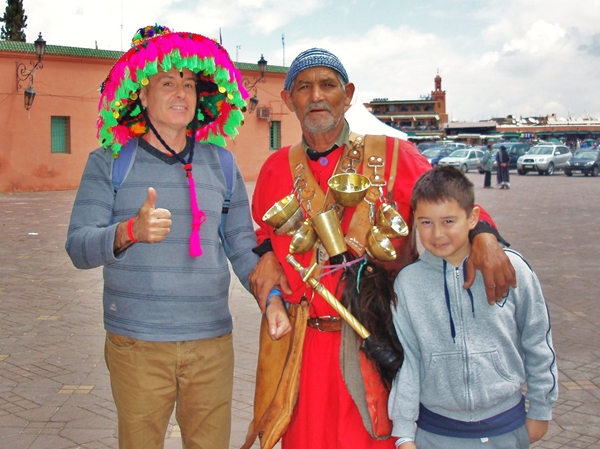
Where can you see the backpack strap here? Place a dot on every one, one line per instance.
(121, 166)
(226, 160)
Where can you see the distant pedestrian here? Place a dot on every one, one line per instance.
(486, 163)
(503, 177)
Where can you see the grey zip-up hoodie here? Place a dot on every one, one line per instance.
(465, 359)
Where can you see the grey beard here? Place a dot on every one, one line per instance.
(321, 126)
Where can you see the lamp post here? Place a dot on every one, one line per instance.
(253, 103)
(24, 74)
(29, 96)
(262, 68)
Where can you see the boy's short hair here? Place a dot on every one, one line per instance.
(441, 184)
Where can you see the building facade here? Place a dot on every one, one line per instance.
(424, 118)
(570, 132)
(46, 147)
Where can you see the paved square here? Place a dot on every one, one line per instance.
(54, 387)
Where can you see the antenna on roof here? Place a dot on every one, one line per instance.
(283, 45)
(121, 25)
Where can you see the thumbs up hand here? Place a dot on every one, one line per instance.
(151, 224)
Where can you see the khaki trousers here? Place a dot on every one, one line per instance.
(149, 378)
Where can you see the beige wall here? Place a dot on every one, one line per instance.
(68, 86)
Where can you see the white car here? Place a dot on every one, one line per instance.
(464, 160)
(544, 159)
(456, 146)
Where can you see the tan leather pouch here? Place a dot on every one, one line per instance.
(277, 380)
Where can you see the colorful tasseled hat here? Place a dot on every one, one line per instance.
(221, 96)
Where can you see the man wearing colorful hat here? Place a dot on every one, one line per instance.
(149, 210)
(341, 402)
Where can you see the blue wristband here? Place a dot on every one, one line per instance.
(274, 292)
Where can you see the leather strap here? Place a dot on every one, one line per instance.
(374, 146)
(312, 192)
(326, 324)
(393, 170)
(356, 237)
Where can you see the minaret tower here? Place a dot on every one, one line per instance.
(439, 96)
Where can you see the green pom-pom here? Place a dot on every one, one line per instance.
(116, 147)
(222, 78)
(166, 64)
(209, 66)
(140, 75)
(151, 68)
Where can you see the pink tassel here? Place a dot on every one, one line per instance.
(198, 217)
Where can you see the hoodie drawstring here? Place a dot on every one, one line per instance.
(447, 295)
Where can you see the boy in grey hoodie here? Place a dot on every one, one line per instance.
(465, 361)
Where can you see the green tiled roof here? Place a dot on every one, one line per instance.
(23, 47)
(254, 67)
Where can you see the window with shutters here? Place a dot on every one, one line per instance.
(60, 134)
(275, 135)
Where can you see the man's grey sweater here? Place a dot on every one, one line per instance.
(158, 292)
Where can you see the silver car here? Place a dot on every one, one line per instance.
(463, 159)
(544, 159)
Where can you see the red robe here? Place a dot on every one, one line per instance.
(325, 416)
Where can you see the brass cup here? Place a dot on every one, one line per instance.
(304, 239)
(330, 233)
(281, 211)
(379, 246)
(349, 189)
(390, 222)
(292, 225)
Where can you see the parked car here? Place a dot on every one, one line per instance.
(586, 161)
(456, 145)
(544, 159)
(463, 159)
(425, 146)
(434, 154)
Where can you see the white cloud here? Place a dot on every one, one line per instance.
(496, 57)
(542, 38)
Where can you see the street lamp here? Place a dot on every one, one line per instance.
(24, 74)
(29, 96)
(262, 68)
(40, 47)
(253, 103)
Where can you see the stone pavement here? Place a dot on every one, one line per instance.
(54, 387)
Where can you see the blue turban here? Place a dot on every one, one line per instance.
(314, 57)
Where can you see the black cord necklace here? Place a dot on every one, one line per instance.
(198, 215)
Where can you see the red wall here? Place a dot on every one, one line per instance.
(68, 86)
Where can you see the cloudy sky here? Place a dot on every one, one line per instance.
(496, 57)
